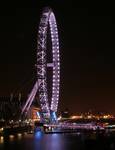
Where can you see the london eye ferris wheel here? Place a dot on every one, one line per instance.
(47, 23)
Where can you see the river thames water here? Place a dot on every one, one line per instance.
(40, 141)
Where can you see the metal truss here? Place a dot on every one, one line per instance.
(47, 20)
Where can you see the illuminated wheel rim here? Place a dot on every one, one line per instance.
(48, 21)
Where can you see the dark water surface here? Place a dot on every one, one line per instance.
(41, 141)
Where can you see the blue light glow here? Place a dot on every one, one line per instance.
(38, 114)
(53, 116)
(38, 135)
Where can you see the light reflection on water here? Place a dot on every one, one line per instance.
(38, 135)
(1, 140)
(40, 141)
(48, 141)
(19, 136)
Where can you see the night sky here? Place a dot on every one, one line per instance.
(87, 45)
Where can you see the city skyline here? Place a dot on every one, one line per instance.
(86, 37)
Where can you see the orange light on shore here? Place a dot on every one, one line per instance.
(89, 116)
(77, 117)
